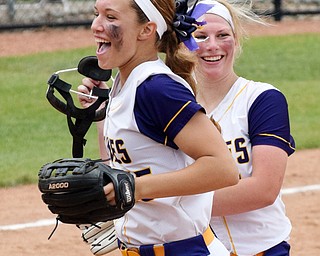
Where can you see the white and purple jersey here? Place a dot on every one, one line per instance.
(251, 114)
(142, 121)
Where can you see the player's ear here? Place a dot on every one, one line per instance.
(148, 30)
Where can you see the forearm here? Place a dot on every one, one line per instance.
(102, 146)
(199, 177)
(247, 195)
(257, 191)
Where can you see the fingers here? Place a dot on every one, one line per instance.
(86, 88)
(90, 83)
(85, 101)
(110, 194)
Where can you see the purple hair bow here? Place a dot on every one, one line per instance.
(185, 23)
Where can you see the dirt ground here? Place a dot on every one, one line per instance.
(45, 40)
(22, 204)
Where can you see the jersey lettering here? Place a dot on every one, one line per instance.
(238, 146)
(118, 153)
(142, 173)
(241, 148)
(123, 152)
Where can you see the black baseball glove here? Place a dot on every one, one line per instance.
(73, 189)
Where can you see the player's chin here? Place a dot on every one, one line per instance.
(105, 61)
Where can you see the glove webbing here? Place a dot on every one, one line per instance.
(58, 219)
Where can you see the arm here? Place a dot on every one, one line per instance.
(102, 146)
(269, 133)
(259, 190)
(213, 168)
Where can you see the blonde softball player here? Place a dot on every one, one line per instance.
(155, 129)
(249, 217)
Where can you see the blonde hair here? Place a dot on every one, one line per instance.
(241, 14)
(177, 58)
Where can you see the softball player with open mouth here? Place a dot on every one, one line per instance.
(155, 129)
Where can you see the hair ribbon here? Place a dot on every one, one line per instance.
(185, 22)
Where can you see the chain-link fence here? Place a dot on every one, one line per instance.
(280, 8)
(38, 13)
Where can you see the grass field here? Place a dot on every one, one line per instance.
(291, 63)
(33, 133)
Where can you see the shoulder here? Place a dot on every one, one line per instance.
(269, 96)
(252, 92)
(255, 89)
(163, 85)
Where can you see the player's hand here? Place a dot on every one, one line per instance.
(110, 193)
(86, 88)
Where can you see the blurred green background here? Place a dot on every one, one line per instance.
(34, 133)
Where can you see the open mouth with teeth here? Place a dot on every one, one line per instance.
(103, 45)
(213, 58)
